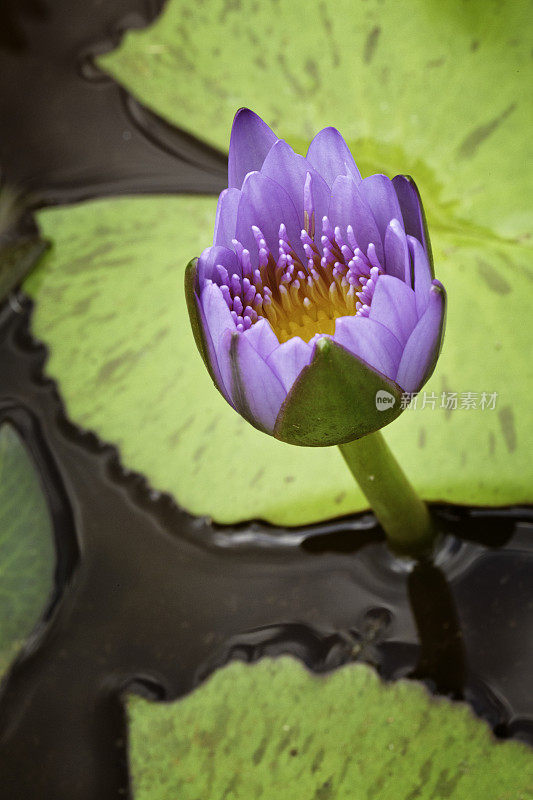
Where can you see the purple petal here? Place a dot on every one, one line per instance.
(210, 258)
(224, 362)
(394, 305)
(379, 194)
(330, 155)
(290, 170)
(422, 348)
(217, 314)
(226, 217)
(371, 342)
(421, 273)
(217, 323)
(214, 358)
(397, 261)
(266, 204)
(250, 141)
(257, 391)
(289, 359)
(347, 207)
(412, 211)
(262, 338)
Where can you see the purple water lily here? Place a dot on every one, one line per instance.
(318, 289)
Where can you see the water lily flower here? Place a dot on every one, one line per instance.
(318, 290)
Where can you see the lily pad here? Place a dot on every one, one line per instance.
(111, 306)
(27, 555)
(436, 89)
(276, 730)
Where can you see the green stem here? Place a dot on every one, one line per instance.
(402, 514)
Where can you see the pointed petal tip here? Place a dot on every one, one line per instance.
(438, 296)
(192, 266)
(244, 116)
(243, 111)
(250, 140)
(289, 359)
(331, 130)
(329, 154)
(204, 255)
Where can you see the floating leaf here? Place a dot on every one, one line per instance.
(275, 730)
(27, 555)
(111, 306)
(435, 88)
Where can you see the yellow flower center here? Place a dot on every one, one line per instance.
(301, 299)
(310, 306)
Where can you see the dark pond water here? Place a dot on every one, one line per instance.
(148, 597)
(68, 131)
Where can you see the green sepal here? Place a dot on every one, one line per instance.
(191, 298)
(334, 400)
(17, 259)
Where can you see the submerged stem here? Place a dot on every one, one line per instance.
(402, 514)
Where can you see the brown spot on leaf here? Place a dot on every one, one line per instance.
(506, 417)
(328, 31)
(260, 751)
(470, 143)
(109, 369)
(229, 6)
(446, 784)
(371, 44)
(258, 475)
(324, 792)
(436, 62)
(318, 759)
(198, 452)
(492, 278)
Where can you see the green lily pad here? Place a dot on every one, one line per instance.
(430, 88)
(27, 555)
(275, 730)
(436, 90)
(111, 306)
